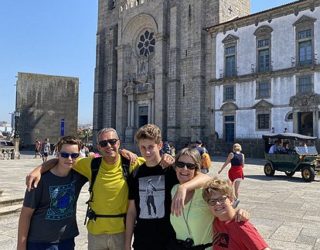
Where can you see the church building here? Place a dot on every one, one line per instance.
(207, 69)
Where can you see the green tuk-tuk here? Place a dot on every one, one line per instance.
(298, 154)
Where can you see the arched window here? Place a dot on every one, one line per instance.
(289, 117)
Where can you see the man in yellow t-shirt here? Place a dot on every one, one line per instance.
(110, 191)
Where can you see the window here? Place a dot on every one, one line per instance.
(304, 40)
(112, 4)
(230, 59)
(304, 85)
(289, 117)
(263, 121)
(230, 55)
(263, 60)
(229, 128)
(228, 93)
(263, 38)
(146, 43)
(263, 89)
(305, 53)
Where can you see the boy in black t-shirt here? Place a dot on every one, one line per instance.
(48, 216)
(148, 216)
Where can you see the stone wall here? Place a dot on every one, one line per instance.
(43, 101)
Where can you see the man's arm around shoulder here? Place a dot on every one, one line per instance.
(34, 176)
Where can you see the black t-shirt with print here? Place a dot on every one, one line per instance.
(150, 188)
(55, 204)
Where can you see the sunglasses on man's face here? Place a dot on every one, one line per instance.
(181, 164)
(105, 143)
(67, 155)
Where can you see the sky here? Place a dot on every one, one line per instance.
(56, 38)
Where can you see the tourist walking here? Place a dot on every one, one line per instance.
(235, 173)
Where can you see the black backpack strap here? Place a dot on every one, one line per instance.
(125, 164)
(95, 165)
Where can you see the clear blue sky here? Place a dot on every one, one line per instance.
(55, 38)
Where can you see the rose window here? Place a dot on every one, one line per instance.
(146, 43)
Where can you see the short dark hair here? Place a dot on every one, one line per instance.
(72, 140)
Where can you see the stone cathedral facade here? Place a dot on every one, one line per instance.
(152, 65)
(207, 69)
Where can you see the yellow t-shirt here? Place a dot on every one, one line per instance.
(110, 194)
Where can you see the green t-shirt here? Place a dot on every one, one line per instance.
(196, 220)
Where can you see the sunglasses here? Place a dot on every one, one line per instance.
(67, 155)
(105, 143)
(221, 200)
(181, 164)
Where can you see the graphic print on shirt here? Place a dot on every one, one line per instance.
(223, 240)
(62, 199)
(152, 195)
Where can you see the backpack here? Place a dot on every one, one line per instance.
(95, 166)
(205, 161)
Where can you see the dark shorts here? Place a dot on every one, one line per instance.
(45, 154)
(62, 245)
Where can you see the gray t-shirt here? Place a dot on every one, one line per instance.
(55, 204)
(46, 147)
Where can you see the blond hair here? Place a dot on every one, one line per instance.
(193, 153)
(149, 131)
(224, 187)
(237, 147)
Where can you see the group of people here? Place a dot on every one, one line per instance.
(43, 150)
(279, 147)
(162, 203)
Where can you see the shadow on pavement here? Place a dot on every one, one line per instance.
(295, 179)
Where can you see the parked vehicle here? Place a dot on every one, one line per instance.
(6, 149)
(300, 155)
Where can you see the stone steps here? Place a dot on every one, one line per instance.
(9, 205)
(12, 209)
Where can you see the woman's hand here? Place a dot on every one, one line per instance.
(242, 215)
(177, 203)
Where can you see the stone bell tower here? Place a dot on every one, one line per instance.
(154, 62)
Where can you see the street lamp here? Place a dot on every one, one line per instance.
(16, 135)
(16, 127)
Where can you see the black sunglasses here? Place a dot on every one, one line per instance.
(105, 143)
(67, 155)
(181, 164)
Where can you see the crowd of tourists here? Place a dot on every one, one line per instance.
(155, 201)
